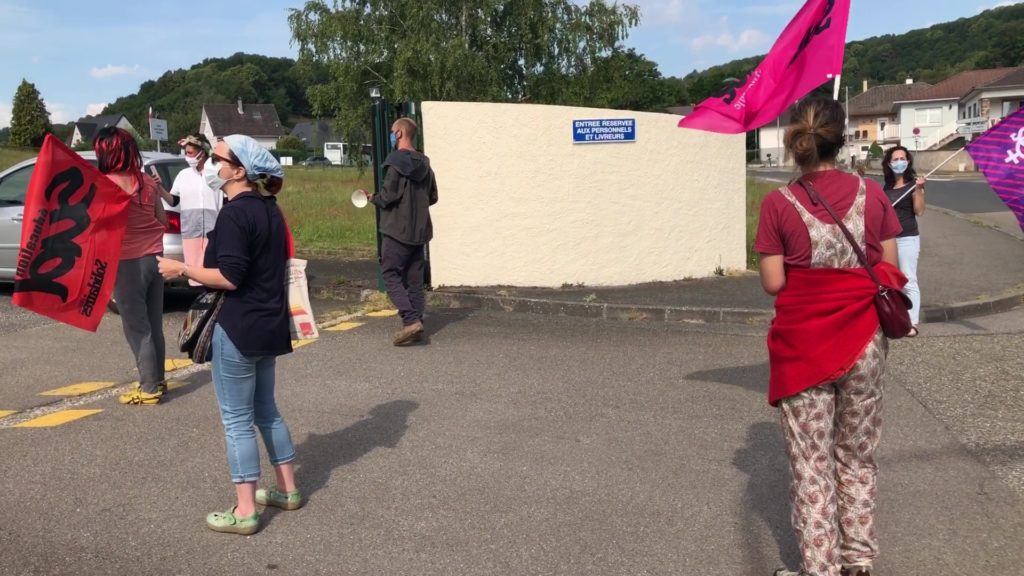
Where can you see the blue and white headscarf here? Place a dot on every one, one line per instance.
(256, 160)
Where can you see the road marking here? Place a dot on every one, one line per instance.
(172, 364)
(344, 326)
(300, 343)
(6, 413)
(57, 418)
(78, 389)
(382, 313)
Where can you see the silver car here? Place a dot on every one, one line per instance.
(14, 184)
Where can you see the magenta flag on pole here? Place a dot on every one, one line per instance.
(999, 154)
(807, 54)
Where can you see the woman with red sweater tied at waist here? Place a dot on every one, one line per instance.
(826, 350)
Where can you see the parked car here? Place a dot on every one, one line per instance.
(315, 161)
(14, 185)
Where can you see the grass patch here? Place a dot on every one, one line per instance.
(320, 213)
(756, 191)
(11, 156)
(316, 202)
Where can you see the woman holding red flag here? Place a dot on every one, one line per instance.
(139, 288)
(826, 350)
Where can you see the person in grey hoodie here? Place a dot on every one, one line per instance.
(409, 191)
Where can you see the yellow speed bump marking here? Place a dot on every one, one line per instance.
(345, 326)
(78, 389)
(296, 344)
(382, 313)
(57, 418)
(6, 413)
(171, 364)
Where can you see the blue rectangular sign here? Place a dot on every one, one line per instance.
(607, 130)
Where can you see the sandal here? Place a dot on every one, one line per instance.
(913, 332)
(139, 398)
(285, 501)
(228, 522)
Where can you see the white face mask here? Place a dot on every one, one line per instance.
(211, 173)
(899, 166)
(192, 161)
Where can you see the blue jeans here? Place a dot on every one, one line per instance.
(245, 394)
(907, 249)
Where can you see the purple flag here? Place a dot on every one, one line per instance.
(999, 154)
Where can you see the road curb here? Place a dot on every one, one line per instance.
(602, 311)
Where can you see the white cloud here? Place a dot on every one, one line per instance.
(746, 40)
(60, 113)
(5, 114)
(111, 70)
(94, 109)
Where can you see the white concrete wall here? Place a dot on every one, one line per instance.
(521, 205)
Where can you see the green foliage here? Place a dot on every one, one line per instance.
(290, 142)
(178, 96)
(30, 122)
(474, 50)
(622, 80)
(875, 151)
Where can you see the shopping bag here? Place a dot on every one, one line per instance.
(303, 326)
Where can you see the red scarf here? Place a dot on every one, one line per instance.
(824, 319)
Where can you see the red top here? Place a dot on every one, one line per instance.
(782, 231)
(144, 234)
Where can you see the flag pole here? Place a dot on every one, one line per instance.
(928, 175)
(835, 87)
(943, 163)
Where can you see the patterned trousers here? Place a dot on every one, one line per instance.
(831, 433)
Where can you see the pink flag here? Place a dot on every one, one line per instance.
(807, 54)
(999, 154)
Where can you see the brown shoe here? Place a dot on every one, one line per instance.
(408, 333)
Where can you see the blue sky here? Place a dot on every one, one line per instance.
(81, 55)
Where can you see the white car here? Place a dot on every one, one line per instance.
(14, 184)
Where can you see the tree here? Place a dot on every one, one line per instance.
(622, 80)
(472, 50)
(30, 122)
(290, 142)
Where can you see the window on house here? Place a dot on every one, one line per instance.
(924, 116)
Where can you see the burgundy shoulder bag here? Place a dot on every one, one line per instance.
(892, 304)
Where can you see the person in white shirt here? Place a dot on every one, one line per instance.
(200, 204)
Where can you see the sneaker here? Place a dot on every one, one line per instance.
(228, 522)
(855, 571)
(784, 572)
(408, 333)
(139, 398)
(285, 501)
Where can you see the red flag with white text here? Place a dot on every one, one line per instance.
(74, 222)
(807, 54)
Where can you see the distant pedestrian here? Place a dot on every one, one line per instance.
(408, 192)
(905, 190)
(246, 259)
(138, 289)
(827, 353)
(200, 204)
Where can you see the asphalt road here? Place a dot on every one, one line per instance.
(511, 444)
